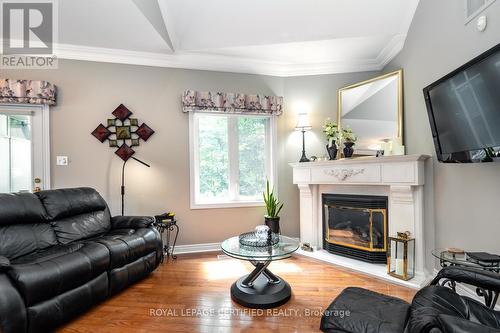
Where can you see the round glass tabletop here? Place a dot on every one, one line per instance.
(282, 250)
(448, 258)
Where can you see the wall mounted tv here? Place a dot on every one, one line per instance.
(464, 111)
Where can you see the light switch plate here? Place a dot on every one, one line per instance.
(61, 160)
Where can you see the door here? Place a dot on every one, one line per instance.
(24, 154)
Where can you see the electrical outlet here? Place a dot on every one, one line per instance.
(62, 160)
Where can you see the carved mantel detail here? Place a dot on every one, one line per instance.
(343, 174)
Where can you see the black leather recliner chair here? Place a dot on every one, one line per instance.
(61, 253)
(434, 309)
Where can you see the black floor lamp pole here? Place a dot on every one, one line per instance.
(123, 181)
(304, 157)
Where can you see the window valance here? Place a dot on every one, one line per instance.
(231, 102)
(27, 92)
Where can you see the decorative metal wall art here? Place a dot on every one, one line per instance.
(123, 132)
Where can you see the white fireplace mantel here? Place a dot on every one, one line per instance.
(400, 178)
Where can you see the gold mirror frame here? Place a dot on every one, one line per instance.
(399, 74)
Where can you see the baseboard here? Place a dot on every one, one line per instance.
(204, 247)
(197, 248)
(469, 292)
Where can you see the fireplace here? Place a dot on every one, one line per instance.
(356, 226)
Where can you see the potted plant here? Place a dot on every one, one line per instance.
(273, 207)
(331, 131)
(349, 139)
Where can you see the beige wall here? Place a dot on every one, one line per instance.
(89, 91)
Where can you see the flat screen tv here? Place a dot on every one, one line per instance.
(464, 111)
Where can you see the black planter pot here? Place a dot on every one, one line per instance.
(273, 223)
(332, 150)
(348, 150)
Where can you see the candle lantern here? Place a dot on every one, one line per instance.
(401, 256)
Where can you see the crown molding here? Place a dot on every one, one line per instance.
(391, 50)
(222, 63)
(199, 61)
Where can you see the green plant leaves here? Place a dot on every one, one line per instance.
(273, 205)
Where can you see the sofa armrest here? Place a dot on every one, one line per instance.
(473, 276)
(131, 222)
(452, 324)
(4, 264)
(13, 318)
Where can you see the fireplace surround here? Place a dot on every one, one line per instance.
(356, 226)
(399, 178)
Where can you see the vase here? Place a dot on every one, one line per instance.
(273, 223)
(348, 150)
(332, 150)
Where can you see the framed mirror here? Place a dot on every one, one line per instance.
(373, 109)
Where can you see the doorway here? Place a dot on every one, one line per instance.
(24, 148)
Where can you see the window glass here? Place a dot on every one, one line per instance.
(252, 156)
(213, 157)
(232, 157)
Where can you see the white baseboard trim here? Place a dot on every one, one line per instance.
(197, 248)
(203, 247)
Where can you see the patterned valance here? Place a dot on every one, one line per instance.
(231, 102)
(27, 92)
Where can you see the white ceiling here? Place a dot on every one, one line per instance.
(273, 37)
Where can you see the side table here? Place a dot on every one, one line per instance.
(167, 229)
(447, 258)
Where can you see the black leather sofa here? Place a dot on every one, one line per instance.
(61, 253)
(435, 309)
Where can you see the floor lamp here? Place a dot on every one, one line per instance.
(303, 126)
(123, 180)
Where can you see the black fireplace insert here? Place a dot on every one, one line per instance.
(356, 226)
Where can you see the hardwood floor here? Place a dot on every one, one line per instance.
(191, 294)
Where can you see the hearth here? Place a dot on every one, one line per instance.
(356, 226)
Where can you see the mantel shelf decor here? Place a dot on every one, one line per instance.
(125, 130)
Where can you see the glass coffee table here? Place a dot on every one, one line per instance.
(260, 289)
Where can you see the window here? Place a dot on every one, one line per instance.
(475, 7)
(231, 158)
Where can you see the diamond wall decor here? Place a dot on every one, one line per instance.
(123, 132)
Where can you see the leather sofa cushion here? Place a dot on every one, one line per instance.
(121, 277)
(368, 312)
(451, 324)
(82, 226)
(21, 208)
(131, 222)
(432, 301)
(47, 315)
(128, 245)
(43, 275)
(62, 203)
(19, 240)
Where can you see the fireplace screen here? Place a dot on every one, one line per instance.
(360, 228)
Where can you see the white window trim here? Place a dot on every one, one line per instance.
(469, 18)
(45, 136)
(193, 172)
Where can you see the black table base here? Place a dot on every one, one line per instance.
(261, 289)
(167, 230)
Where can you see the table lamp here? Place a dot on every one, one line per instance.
(303, 126)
